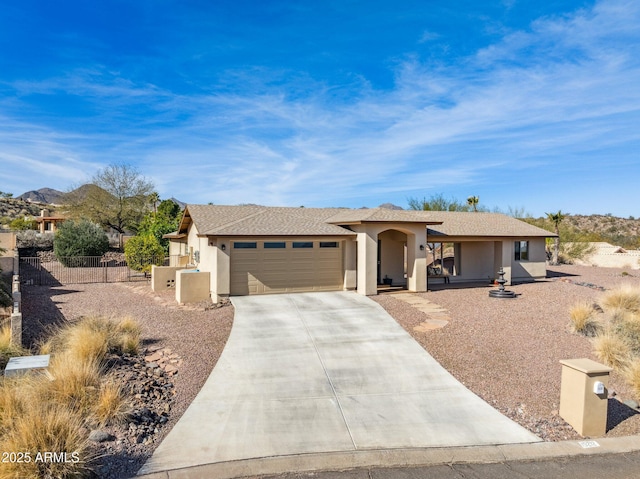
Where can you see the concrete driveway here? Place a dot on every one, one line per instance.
(324, 372)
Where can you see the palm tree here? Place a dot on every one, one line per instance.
(556, 219)
(473, 202)
(154, 199)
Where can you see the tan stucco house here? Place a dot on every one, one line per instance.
(260, 250)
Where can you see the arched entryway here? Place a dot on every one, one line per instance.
(392, 258)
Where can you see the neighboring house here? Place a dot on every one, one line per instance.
(259, 250)
(46, 223)
(606, 255)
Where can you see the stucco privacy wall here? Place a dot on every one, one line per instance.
(164, 277)
(192, 286)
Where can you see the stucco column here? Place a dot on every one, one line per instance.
(367, 262)
(507, 258)
(350, 266)
(221, 285)
(416, 263)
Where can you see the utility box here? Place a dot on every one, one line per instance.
(584, 395)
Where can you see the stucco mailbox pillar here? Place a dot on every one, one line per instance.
(584, 395)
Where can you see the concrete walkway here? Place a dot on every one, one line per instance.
(325, 372)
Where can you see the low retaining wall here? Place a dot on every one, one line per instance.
(164, 277)
(192, 286)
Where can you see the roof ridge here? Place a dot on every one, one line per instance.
(244, 218)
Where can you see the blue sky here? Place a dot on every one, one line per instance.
(526, 104)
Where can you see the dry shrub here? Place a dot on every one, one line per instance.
(129, 325)
(111, 406)
(127, 336)
(86, 343)
(94, 336)
(41, 428)
(7, 349)
(584, 320)
(39, 414)
(75, 383)
(626, 298)
(632, 376)
(628, 327)
(129, 344)
(11, 403)
(611, 349)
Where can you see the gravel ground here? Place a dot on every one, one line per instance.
(195, 334)
(507, 351)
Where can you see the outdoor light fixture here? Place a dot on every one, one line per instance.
(224, 247)
(421, 247)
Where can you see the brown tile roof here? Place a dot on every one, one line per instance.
(264, 221)
(382, 215)
(458, 223)
(254, 220)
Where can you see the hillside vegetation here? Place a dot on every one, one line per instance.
(12, 208)
(623, 232)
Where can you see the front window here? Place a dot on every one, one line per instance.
(522, 251)
(244, 244)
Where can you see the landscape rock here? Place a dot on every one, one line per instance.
(98, 435)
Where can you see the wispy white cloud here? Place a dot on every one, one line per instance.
(565, 90)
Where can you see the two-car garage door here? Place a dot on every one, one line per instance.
(260, 267)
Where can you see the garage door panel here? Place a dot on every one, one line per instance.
(281, 270)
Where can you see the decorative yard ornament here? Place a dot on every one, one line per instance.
(501, 292)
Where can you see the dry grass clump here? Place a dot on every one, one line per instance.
(45, 428)
(625, 298)
(612, 350)
(94, 336)
(39, 414)
(584, 320)
(127, 339)
(7, 349)
(111, 405)
(75, 382)
(615, 329)
(632, 376)
(628, 328)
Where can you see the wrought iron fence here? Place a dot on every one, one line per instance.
(85, 269)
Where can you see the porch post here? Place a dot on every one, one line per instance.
(416, 262)
(367, 261)
(221, 283)
(507, 258)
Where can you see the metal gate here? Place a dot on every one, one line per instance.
(81, 269)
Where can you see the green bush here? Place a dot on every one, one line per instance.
(142, 252)
(22, 224)
(79, 238)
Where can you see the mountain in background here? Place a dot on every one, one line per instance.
(178, 202)
(49, 196)
(43, 195)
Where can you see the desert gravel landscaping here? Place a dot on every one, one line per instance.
(508, 350)
(196, 334)
(505, 350)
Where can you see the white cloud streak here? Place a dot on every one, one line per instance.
(567, 88)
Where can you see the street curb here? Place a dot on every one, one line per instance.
(402, 458)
